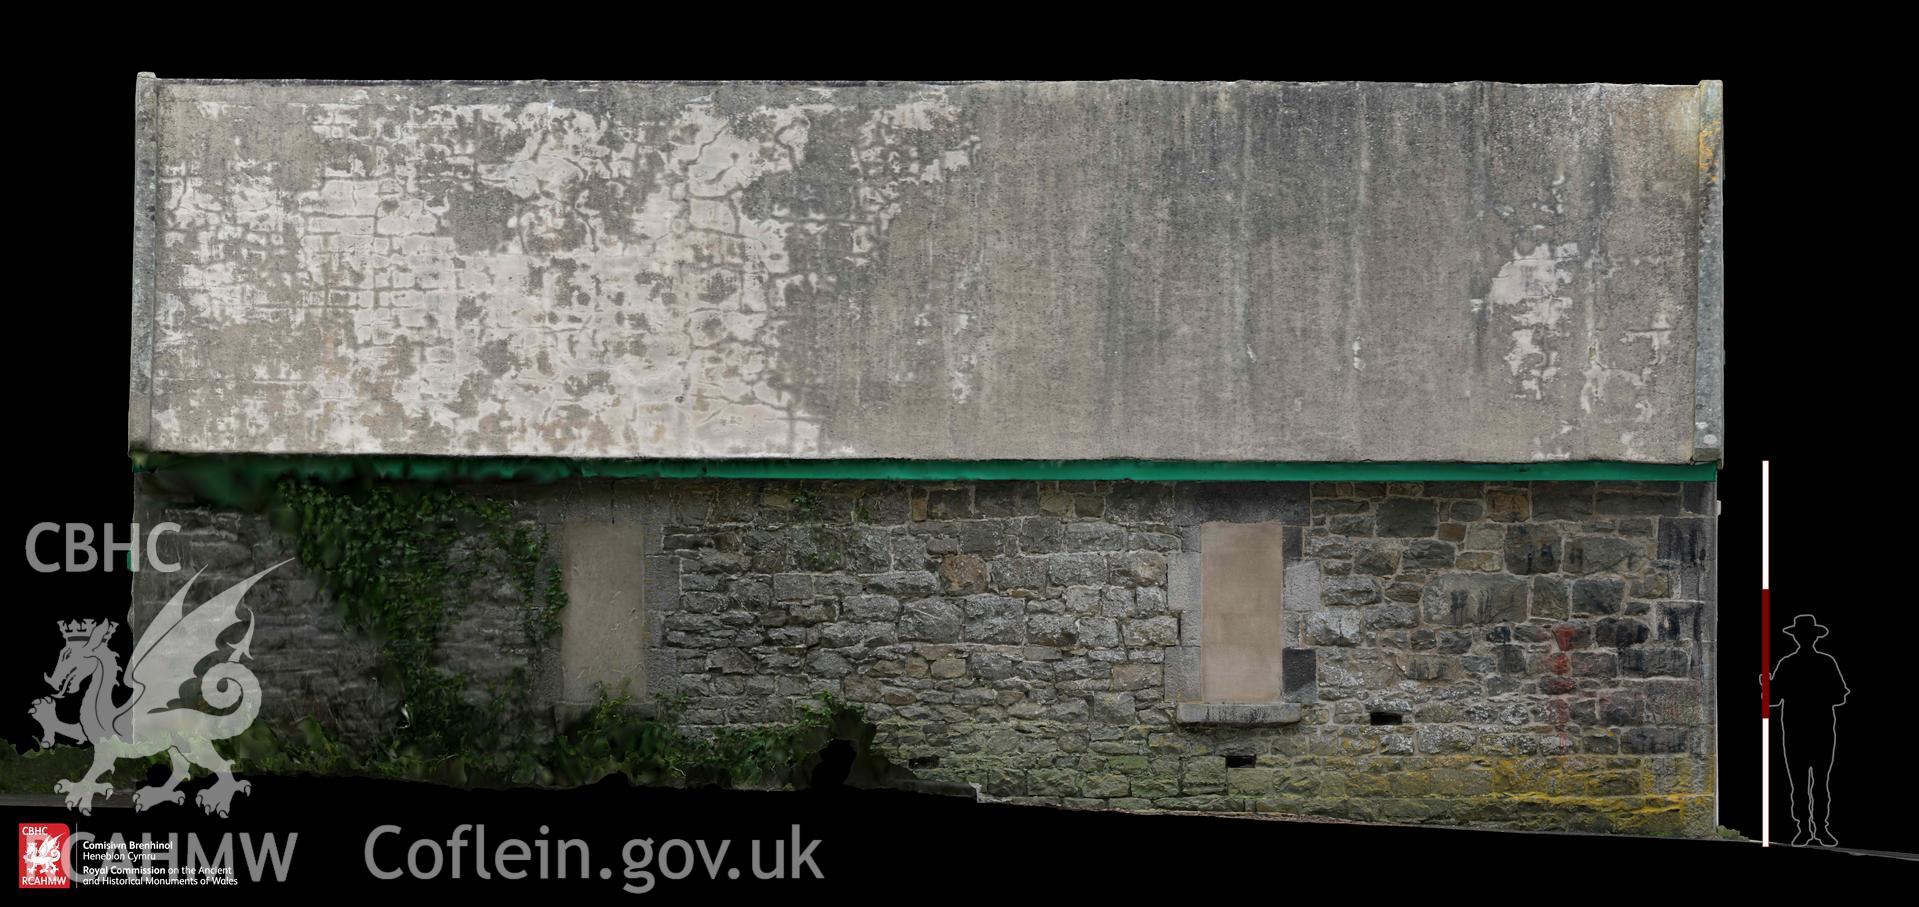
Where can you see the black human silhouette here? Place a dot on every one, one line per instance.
(1807, 690)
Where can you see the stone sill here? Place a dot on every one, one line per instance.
(1237, 714)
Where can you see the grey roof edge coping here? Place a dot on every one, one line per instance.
(1709, 363)
(862, 83)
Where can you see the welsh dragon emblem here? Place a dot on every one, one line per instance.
(42, 858)
(154, 716)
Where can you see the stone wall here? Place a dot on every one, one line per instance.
(1523, 655)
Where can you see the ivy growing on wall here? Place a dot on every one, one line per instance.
(403, 564)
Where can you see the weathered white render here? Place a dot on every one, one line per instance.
(1246, 271)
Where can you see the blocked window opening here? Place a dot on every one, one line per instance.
(602, 628)
(1240, 586)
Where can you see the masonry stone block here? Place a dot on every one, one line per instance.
(1300, 675)
(1238, 714)
(1242, 502)
(1477, 598)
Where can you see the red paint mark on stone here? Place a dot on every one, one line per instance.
(1565, 634)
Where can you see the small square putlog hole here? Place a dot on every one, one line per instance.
(1240, 760)
(1388, 718)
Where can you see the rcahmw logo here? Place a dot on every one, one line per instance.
(148, 718)
(43, 855)
(50, 857)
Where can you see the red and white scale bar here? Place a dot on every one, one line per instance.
(1765, 654)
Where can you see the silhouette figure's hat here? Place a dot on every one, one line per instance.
(1806, 628)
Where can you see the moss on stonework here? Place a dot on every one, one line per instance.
(1580, 793)
(1667, 816)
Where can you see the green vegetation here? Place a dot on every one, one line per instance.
(34, 771)
(403, 564)
(612, 738)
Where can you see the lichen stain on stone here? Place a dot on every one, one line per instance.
(1529, 292)
(1535, 302)
(435, 271)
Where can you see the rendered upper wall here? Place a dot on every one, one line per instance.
(1247, 271)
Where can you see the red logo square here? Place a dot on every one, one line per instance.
(43, 861)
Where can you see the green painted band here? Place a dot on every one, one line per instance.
(554, 468)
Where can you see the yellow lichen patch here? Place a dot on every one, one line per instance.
(1708, 150)
(1668, 815)
(1712, 123)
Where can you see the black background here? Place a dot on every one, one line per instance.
(1794, 387)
